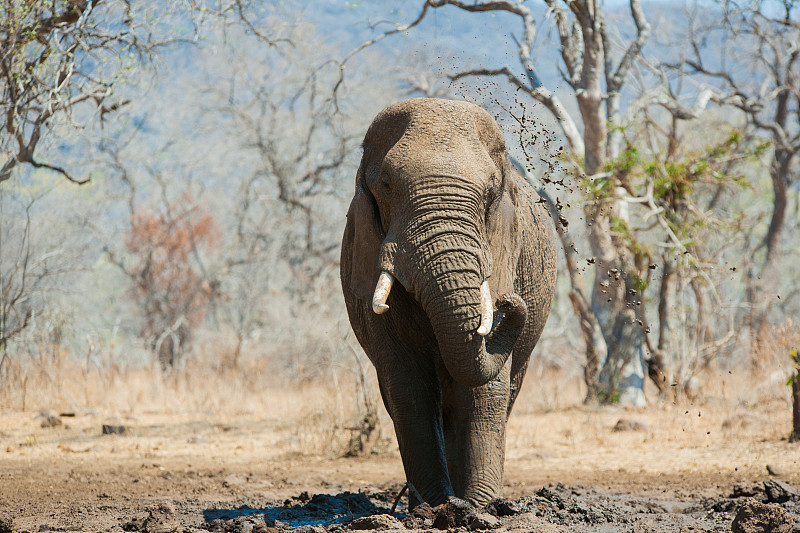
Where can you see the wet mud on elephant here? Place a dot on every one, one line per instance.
(439, 226)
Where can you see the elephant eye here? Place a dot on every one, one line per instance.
(385, 181)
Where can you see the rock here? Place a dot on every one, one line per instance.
(218, 524)
(50, 419)
(135, 524)
(484, 521)
(773, 470)
(161, 520)
(626, 424)
(310, 529)
(779, 492)
(114, 429)
(376, 522)
(745, 489)
(245, 524)
(454, 513)
(5, 525)
(9, 449)
(756, 517)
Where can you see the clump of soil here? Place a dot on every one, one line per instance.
(756, 517)
(454, 513)
(421, 516)
(376, 522)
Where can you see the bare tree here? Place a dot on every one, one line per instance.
(795, 384)
(61, 59)
(758, 73)
(29, 268)
(299, 151)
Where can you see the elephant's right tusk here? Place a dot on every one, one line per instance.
(382, 293)
(487, 313)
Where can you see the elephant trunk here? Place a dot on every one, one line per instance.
(451, 263)
(470, 358)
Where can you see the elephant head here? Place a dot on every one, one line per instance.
(435, 210)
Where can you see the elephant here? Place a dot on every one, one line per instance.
(439, 222)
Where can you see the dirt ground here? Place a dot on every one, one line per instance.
(664, 468)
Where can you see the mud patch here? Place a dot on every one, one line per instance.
(553, 508)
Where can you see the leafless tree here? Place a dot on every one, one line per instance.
(297, 151)
(757, 72)
(29, 268)
(62, 61)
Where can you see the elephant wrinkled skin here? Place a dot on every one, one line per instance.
(437, 212)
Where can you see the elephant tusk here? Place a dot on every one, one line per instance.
(382, 289)
(487, 314)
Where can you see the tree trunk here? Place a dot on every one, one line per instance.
(795, 436)
(762, 292)
(614, 304)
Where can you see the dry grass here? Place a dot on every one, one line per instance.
(291, 417)
(311, 417)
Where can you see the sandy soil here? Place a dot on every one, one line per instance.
(664, 468)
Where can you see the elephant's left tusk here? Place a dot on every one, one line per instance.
(487, 313)
(381, 293)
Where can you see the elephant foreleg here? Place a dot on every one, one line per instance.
(475, 425)
(414, 404)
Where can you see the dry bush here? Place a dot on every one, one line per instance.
(771, 359)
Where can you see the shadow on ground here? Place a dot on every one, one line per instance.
(316, 510)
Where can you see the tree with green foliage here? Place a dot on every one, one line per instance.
(607, 312)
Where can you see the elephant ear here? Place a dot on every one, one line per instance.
(361, 244)
(503, 231)
(502, 222)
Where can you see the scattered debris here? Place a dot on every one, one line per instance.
(420, 517)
